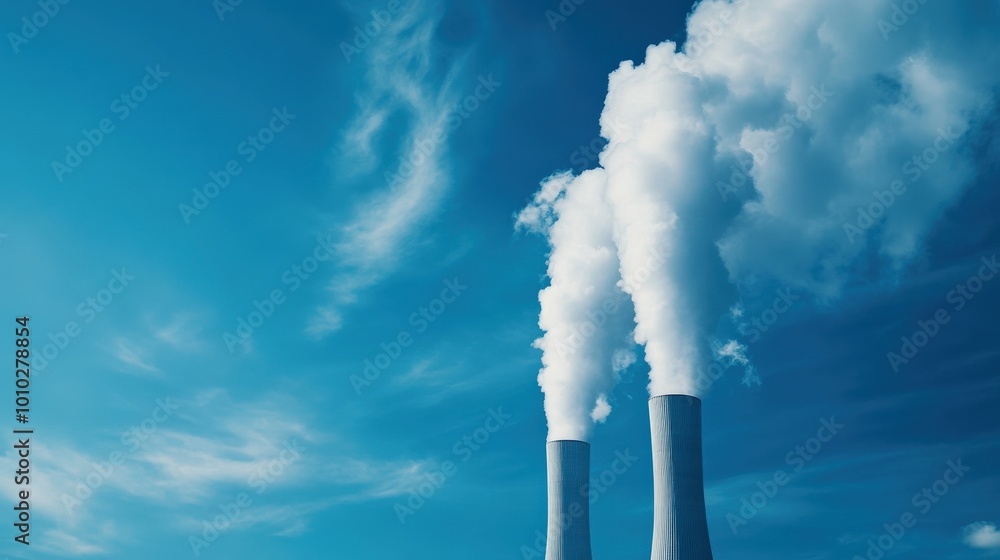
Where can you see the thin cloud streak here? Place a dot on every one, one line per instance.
(402, 80)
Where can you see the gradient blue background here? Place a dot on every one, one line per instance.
(162, 336)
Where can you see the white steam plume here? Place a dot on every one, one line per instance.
(586, 317)
(807, 146)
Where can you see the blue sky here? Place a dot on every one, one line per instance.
(351, 254)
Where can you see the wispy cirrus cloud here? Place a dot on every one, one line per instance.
(133, 356)
(63, 544)
(148, 343)
(399, 143)
(181, 330)
(199, 455)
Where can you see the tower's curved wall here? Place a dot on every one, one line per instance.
(569, 502)
(680, 528)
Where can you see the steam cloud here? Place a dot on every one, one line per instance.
(805, 146)
(586, 317)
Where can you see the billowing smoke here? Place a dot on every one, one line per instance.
(797, 148)
(586, 317)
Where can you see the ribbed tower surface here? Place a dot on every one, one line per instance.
(680, 527)
(569, 503)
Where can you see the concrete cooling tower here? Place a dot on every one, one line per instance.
(680, 528)
(569, 503)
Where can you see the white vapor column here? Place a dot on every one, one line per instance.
(809, 146)
(585, 316)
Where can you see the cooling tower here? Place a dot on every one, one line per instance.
(680, 528)
(569, 502)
